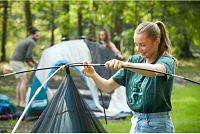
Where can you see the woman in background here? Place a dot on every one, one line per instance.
(104, 40)
(106, 51)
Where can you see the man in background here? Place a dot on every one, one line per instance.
(23, 53)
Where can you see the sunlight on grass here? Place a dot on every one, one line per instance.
(186, 105)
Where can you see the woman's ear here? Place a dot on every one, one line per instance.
(157, 41)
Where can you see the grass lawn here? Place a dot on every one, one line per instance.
(186, 109)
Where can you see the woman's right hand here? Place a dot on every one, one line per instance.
(88, 70)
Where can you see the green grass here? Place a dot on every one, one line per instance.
(118, 126)
(186, 109)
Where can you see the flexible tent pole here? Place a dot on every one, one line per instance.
(25, 71)
(104, 112)
(35, 94)
(130, 67)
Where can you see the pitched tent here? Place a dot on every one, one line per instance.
(63, 53)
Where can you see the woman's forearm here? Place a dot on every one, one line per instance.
(154, 67)
(104, 84)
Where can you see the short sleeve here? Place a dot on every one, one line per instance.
(168, 62)
(119, 77)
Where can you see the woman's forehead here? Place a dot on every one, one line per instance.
(141, 38)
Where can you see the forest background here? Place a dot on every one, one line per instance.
(75, 18)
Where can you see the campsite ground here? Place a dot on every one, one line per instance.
(188, 69)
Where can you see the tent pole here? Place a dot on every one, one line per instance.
(67, 69)
(104, 112)
(32, 99)
(130, 67)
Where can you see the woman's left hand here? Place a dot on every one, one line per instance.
(114, 64)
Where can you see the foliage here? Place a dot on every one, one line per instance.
(119, 17)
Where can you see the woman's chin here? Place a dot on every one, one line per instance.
(143, 56)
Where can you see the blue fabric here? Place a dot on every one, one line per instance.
(41, 97)
(6, 106)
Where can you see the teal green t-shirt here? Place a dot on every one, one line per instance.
(147, 94)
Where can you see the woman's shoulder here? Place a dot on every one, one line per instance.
(166, 57)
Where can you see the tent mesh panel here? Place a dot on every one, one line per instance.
(67, 112)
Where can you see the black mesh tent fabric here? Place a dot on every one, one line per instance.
(101, 55)
(67, 112)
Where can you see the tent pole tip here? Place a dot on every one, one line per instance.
(67, 69)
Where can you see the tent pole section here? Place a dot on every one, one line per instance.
(36, 93)
(130, 67)
(67, 69)
(104, 112)
(31, 70)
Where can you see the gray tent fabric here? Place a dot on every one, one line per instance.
(67, 112)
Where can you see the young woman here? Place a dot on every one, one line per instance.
(104, 40)
(23, 53)
(148, 93)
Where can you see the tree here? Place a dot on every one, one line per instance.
(64, 19)
(4, 32)
(52, 24)
(28, 14)
(80, 30)
(117, 19)
(92, 25)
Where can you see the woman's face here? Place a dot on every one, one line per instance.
(146, 47)
(102, 36)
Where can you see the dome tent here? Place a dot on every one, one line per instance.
(70, 52)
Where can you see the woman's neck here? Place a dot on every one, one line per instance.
(152, 58)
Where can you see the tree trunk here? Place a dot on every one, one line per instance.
(92, 32)
(4, 33)
(28, 14)
(136, 22)
(80, 31)
(185, 49)
(152, 10)
(52, 25)
(65, 25)
(118, 25)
